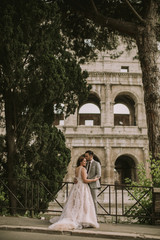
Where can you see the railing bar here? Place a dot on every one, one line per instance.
(47, 189)
(110, 199)
(132, 194)
(50, 191)
(26, 185)
(67, 190)
(103, 208)
(138, 201)
(54, 199)
(102, 184)
(12, 194)
(35, 200)
(102, 190)
(116, 203)
(61, 187)
(122, 201)
(32, 194)
(38, 187)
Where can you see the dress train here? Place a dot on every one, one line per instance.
(79, 210)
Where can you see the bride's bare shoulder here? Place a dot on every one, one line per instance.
(83, 170)
(77, 170)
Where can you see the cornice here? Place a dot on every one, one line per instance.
(107, 136)
(100, 73)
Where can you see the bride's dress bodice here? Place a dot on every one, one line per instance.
(79, 210)
(78, 175)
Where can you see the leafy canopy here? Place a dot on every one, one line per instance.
(37, 71)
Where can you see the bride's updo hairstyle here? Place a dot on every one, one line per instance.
(80, 159)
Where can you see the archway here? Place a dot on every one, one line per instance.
(121, 115)
(124, 111)
(125, 167)
(89, 113)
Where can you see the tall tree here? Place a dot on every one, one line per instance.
(103, 21)
(37, 71)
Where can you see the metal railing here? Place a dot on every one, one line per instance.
(28, 194)
(113, 200)
(125, 200)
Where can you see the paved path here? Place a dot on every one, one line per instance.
(14, 235)
(106, 230)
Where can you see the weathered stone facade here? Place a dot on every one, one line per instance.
(120, 147)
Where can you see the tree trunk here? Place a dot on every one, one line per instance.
(11, 150)
(148, 53)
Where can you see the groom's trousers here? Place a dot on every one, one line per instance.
(94, 192)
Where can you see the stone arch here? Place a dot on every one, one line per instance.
(93, 98)
(132, 95)
(92, 114)
(125, 167)
(126, 119)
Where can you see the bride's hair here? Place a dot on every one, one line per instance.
(80, 159)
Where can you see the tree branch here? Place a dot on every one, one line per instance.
(94, 7)
(93, 14)
(135, 12)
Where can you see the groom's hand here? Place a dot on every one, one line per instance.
(75, 180)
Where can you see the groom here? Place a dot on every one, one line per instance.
(93, 170)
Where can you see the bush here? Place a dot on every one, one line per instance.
(139, 190)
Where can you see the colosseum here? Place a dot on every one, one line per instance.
(112, 122)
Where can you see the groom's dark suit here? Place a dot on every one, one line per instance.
(94, 171)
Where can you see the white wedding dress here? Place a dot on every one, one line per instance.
(79, 211)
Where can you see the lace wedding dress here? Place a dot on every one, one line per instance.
(79, 211)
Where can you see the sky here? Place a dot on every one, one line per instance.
(92, 108)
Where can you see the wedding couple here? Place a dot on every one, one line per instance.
(81, 206)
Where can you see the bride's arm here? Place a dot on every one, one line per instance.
(84, 177)
(75, 178)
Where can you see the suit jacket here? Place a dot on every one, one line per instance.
(94, 171)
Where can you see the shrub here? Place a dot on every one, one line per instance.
(153, 180)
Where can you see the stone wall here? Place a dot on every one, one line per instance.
(119, 148)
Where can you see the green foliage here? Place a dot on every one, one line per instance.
(82, 23)
(3, 158)
(37, 71)
(155, 171)
(83, 36)
(46, 154)
(142, 186)
(3, 201)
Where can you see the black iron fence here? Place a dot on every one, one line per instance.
(113, 200)
(31, 195)
(126, 201)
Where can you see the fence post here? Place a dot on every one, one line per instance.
(156, 205)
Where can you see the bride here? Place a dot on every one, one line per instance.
(79, 210)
